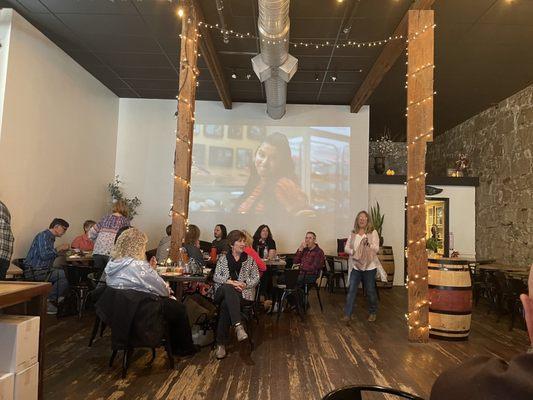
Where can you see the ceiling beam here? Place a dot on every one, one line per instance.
(209, 54)
(388, 56)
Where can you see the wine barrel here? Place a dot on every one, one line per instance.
(450, 294)
(386, 257)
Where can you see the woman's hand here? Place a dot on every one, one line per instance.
(527, 302)
(153, 262)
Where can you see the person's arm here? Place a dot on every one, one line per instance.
(46, 248)
(221, 271)
(154, 282)
(374, 241)
(252, 279)
(348, 246)
(93, 232)
(318, 261)
(298, 255)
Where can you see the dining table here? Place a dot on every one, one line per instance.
(178, 281)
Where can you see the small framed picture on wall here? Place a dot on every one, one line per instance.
(214, 131)
(235, 132)
(256, 133)
(244, 158)
(220, 157)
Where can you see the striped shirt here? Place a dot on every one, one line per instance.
(6, 235)
(104, 232)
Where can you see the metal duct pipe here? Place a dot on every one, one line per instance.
(220, 11)
(274, 65)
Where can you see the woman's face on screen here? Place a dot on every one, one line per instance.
(266, 160)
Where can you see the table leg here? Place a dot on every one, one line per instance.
(37, 306)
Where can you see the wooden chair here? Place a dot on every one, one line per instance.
(335, 274)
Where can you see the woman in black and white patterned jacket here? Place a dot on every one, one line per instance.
(236, 277)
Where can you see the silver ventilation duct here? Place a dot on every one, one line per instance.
(274, 65)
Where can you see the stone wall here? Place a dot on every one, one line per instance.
(397, 162)
(499, 145)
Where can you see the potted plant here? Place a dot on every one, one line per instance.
(461, 165)
(432, 246)
(377, 221)
(116, 194)
(381, 149)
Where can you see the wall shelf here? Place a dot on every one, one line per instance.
(430, 180)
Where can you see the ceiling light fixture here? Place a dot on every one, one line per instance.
(180, 12)
(248, 76)
(316, 77)
(234, 75)
(334, 76)
(340, 1)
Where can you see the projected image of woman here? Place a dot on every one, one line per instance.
(272, 185)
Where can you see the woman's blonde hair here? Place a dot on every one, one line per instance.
(369, 225)
(249, 239)
(192, 234)
(130, 244)
(121, 207)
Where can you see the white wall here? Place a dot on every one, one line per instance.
(58, 137)
(462, 214)
(5, 32)
(145, 151)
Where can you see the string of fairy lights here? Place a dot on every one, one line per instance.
(413, 317)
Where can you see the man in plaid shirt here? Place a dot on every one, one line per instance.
(6, 240)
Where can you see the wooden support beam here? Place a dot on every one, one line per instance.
(210, 56)
(184, 132)
(388, 56)
(420, 63)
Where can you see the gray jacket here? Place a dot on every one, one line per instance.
(128, 273)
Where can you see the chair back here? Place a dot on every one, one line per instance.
(355, 393)
(291, 278)
(341, 243)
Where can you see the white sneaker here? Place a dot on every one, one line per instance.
(241, 333)
(221, 352)
(51, 309)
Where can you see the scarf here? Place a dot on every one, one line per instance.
(235, 266)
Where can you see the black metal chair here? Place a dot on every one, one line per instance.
(335, 274)
(310, 285)
(516, 288)
(288, 288)
(356, 392)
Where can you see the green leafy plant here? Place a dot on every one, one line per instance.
(377, 220)
(116, 194)
(432, 244)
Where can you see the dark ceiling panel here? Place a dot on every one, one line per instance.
(482, 50)
(105, 24)
(89, 7)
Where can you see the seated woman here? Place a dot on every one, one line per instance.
(264, 244)
(236, 276)
(83, 242)
(128, 269)
(191, 244)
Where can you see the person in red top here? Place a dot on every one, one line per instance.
(83, 242)
(311, 259)
(252, 253)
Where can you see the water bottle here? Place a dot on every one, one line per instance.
(265, 252)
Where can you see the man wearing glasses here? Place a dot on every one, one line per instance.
(40, 259)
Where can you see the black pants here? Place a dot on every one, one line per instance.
(4, 266)
(229, 300)
(175, 314)
(100, 262)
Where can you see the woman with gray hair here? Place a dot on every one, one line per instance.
(129, 270)
(6, 240)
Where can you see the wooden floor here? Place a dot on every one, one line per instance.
(292, 360)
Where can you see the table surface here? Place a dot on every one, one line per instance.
(173, 277)
(79, 259)
(278, 263)
(503, 267)
(18, 292)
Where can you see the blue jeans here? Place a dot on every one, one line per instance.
(57, 279)
(369, 282)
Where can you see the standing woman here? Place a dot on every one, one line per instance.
(263, 243)
(6, 240)
(362, 247)
(104, 232)
(236, 276)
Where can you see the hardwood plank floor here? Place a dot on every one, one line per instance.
(292, 359)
